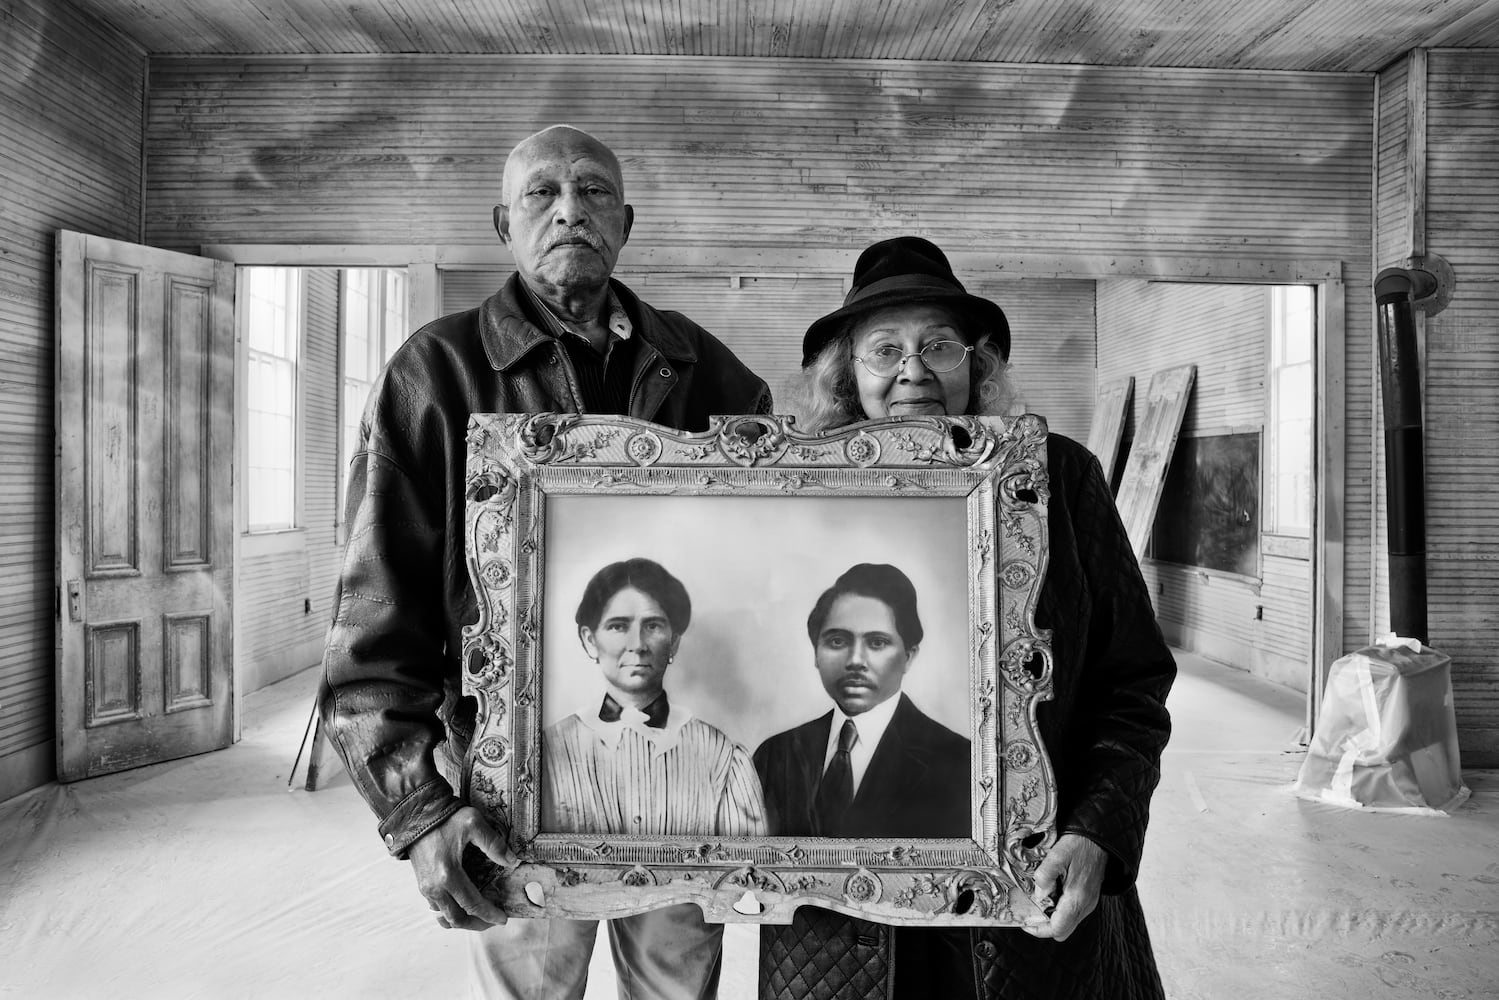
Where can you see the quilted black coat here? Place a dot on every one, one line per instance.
(1105, 729)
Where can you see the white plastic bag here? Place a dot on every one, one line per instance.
(1387, 735)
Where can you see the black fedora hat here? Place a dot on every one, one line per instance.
(901, 270)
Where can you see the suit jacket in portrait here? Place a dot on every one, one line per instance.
(917, 784)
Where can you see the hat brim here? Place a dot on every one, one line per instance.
(982, 317)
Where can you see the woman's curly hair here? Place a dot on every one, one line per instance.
(824, 394)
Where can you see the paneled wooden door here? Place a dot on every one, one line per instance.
(145, 525)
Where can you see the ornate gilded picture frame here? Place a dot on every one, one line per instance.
(725, 801)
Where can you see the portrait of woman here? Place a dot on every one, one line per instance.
(637, 763)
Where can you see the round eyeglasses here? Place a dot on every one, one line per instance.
(939, 356)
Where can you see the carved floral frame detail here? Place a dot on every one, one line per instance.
(515, 461)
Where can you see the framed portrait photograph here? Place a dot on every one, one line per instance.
(753, 669)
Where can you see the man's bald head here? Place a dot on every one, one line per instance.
(557, 140)
(563, 213)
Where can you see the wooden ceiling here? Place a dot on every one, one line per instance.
(1315, 35)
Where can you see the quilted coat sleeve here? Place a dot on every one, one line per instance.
(1108, 723)
(386, 655)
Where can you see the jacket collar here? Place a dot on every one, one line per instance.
(509, 336)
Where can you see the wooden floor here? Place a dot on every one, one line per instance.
(208, 878)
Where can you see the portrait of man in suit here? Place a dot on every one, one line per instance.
(875, 765)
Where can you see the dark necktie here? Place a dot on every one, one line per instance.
(836, 789)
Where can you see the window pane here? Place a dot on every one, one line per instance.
(259, 324)
(1293, 479)
(374, 325)
(1295, 391)
(356, 322)
(272, 329)
(1293, 320)
(395, 312)
(1300, 323)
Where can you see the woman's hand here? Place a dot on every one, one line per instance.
(1071, 876)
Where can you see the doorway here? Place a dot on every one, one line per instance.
(1239, 565)
(312, 341)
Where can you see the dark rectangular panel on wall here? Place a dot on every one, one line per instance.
(73, 91)
(1209, 515)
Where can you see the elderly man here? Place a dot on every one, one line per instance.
(560, 335)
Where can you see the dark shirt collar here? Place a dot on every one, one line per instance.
(616, 319)
(655, 713)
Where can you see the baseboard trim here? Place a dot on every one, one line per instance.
(27, 768)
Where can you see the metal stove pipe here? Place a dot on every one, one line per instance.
(1395, 293)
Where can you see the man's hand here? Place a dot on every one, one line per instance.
(1071, 875)
(437, 859)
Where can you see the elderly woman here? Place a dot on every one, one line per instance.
(639, 764)
(910, 340)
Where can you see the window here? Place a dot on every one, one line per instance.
(1293, 396)
(374, 325)
(272, 310)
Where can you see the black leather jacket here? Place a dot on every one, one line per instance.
(391, 689)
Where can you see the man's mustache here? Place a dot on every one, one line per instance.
(577, 236)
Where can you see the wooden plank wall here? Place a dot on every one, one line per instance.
(1044, 167)
(286, 592)
(1053, 341)
(1446, 201)
(772, 153)
(1143, 327)
(1462, 387)
(72, 109)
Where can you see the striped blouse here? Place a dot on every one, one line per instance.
(611, 777)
